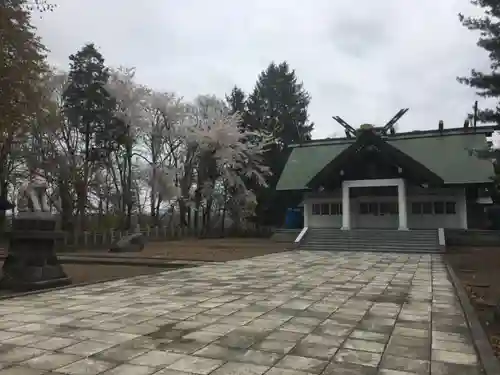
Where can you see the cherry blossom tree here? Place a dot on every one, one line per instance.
(192, 159)
(131, 102)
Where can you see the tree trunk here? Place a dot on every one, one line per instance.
(129, 186)
(224, 208)
(182, 213)
(4, 189)
(66, 205)
(157, 209)
(208, 215)
(82, 194)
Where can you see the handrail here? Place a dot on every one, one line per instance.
(301, 235)
(441, 237)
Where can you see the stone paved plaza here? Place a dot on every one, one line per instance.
(293, 313)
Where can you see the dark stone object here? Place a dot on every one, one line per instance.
(32, 262)
(131, 243)
(5, 205)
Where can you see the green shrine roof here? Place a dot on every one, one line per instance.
(446, 154)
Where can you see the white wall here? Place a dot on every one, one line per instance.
(328, 221)
(422, 221)
(419, 221)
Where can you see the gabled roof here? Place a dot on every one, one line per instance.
(392, 155)
(445, 154)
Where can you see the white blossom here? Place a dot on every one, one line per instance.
(494, 140)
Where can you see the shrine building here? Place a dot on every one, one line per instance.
(377, 178)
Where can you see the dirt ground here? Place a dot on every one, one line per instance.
(89, 273)
(85, 273)
(479, 272)
(219, 250)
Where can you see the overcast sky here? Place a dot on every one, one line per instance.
(362, 60)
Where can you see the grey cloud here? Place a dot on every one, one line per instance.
(361, 60)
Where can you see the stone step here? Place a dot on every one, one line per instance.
(401, 240)
(368, 244)
(397, 234)
(376, 250)
(350, 246)
(371, 237)
(334, 239)
(374, 235)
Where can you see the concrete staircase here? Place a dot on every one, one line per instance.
(376, 240)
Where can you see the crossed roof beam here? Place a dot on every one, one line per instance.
(388, 127)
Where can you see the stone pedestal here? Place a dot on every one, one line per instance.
(32, 262)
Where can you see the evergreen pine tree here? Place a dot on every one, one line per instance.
(90, 109)
(486, 83)
(278, 105)
(236, 101)
(22, 67)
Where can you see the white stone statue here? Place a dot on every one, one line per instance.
(33, 195)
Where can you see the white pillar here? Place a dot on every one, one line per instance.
(462, 209)
(346, 209)
(403, 217)
(306, 213)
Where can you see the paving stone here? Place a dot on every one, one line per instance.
(86, 348)
(415, 366)
(411, 332)
(85, 367)
(281, 371)
(275, 346)
(233, 368)
(452, 346)
(314, 351)
(257, 357)
(127, 369)
(336, 368)
(19, 354)
(442, 368)
(369, 336)
(25, 340)
(119, 353)
(203, 336)
(167, 371)
(21, 370)
(51, 361)
(156, 358)
(358, 357)
(454, 357)
(281, 335)
(196, 365)
(307, 364)
(53, 343)
(293, 313)
(367, 346)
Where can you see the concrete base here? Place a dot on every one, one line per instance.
(32, 262)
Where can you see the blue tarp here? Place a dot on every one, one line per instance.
(294, 218)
